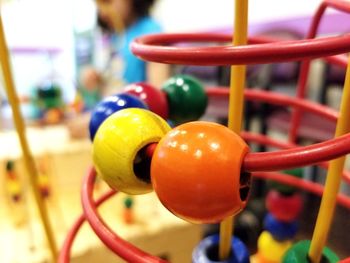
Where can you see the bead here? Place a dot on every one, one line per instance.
(44, 184)
(118, 144)
(128, 202)
(186, 97)
(284, 208)
(10, 165)
(298, 253)
(110, 105)
(49, 95)
(14, 187)
(271, 249)
(279, 230)
(128, 216)
(154, 98)
(53, 116)
(283, 188)
(196, 172)
(207, 251)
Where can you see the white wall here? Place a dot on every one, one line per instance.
(40, 24)
(192, 15)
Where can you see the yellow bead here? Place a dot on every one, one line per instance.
(43, 180)
(270, 249)
(117, 142)
(14, 187)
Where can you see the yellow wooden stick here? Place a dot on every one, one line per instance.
(20, 127)
(328, 203)
(235, 113)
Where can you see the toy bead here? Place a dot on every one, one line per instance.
(283, 188)
(44, 184)
(279, 230)
(207, 251)
(14, 189)
(118, 149)
(196, 172)
(53, 116)
(110, 105)
(128, 214)
(284, 208)
(10, 166)
(49, 95)
(154, 98)
(270, 249)
(128, 202)
(186, 97)
(298, 253)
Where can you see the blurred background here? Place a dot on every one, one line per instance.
(51, 42)
(49, 37)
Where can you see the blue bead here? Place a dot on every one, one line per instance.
(207, 251)
(280, 231)
(111, 105)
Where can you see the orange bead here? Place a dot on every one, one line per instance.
(196, 172)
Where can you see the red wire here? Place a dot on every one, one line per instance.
(132, 254)
(308, 186)
(277, 99)
(150, 48)
(297, 156)
(118, 245)
(264, 140)
(64, 255)
(305, 65)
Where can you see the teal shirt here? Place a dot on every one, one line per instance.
(133, 69)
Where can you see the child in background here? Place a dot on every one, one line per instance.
(121, 21)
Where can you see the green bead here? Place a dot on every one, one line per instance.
(128, 202)
(10, 165)
(49, 96)
(283, 188)
(298, 253)
(186, 98)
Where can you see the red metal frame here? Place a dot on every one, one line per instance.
(131, 253)
(291, 156)
(263, 50)
(342, 6)
(156, 48)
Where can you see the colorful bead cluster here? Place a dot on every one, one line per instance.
(195, 168)
(284, 205)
